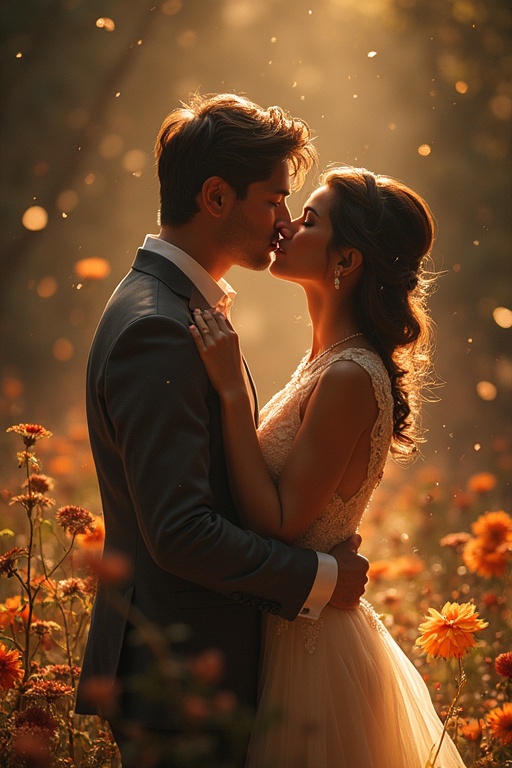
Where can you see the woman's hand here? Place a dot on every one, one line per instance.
(218, 346)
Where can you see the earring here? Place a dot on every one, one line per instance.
(337, 273)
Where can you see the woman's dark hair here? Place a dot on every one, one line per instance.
(393, 228)
(228, 136)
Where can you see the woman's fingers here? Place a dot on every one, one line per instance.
(209, 327)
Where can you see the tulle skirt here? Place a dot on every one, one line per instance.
(340, 693)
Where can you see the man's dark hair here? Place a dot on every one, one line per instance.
(228, 136)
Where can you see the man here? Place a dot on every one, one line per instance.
(225, 167)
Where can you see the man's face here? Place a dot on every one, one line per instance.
(250, 231)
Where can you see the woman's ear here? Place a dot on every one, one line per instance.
(215, 194)
(349, 259)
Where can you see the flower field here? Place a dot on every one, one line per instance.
(440, 577)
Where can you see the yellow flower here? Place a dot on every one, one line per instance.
(449, 634)
(500, 723)
(11, 669)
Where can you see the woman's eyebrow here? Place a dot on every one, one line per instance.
(308, 208)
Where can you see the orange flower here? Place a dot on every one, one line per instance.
(13, 612)
(503, 664)
(494, 528)
(379, 569)
(30, 432)
(500, 723)
(449, 634)
(11, 669)
(455, 540)
(482, 482)
(471, 730)
(95, 538)
(408, 566)
(484, 561)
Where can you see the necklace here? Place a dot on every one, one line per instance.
(333, 346)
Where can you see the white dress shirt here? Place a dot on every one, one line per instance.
(220, 294)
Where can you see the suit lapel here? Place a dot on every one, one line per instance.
(154, 264)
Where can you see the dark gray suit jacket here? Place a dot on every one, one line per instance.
(156, 437)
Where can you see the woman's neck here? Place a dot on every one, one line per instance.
(331, 320)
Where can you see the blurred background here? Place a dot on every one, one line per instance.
(417, 89)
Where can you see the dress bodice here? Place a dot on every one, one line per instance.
(280, 420)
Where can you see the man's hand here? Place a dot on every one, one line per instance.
(352, 569)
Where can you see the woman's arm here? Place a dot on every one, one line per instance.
(339, 411)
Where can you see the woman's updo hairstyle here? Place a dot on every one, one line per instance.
(393, 228)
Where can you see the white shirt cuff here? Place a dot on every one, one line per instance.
(323, 586)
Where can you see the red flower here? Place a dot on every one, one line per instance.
(503, 664)
(208, 666)
(75, 520)
(9, 561)
(39, 483)
(50, 690)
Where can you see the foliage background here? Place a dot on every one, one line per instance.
(82, 105)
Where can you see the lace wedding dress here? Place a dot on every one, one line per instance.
(338, 692)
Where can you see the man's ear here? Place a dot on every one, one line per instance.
(215, 194)
(349, 259)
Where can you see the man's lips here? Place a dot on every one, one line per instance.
(277, 247)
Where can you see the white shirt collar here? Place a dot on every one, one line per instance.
(214, 292)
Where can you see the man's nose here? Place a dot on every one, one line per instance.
(288, 228)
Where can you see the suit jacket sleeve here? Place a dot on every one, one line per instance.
(156, 399)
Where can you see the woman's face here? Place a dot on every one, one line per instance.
(302, 256)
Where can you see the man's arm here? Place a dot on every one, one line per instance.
(157, 394)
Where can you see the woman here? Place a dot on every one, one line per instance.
(347, 695)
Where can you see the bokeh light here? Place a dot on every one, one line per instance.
(35, 218)
(486, 390)
(106, 24)
(63, 350)
(46, 287)
(92, 268)
(503, 317)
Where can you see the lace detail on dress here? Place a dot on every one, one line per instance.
(279, 422)
(372, 616)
